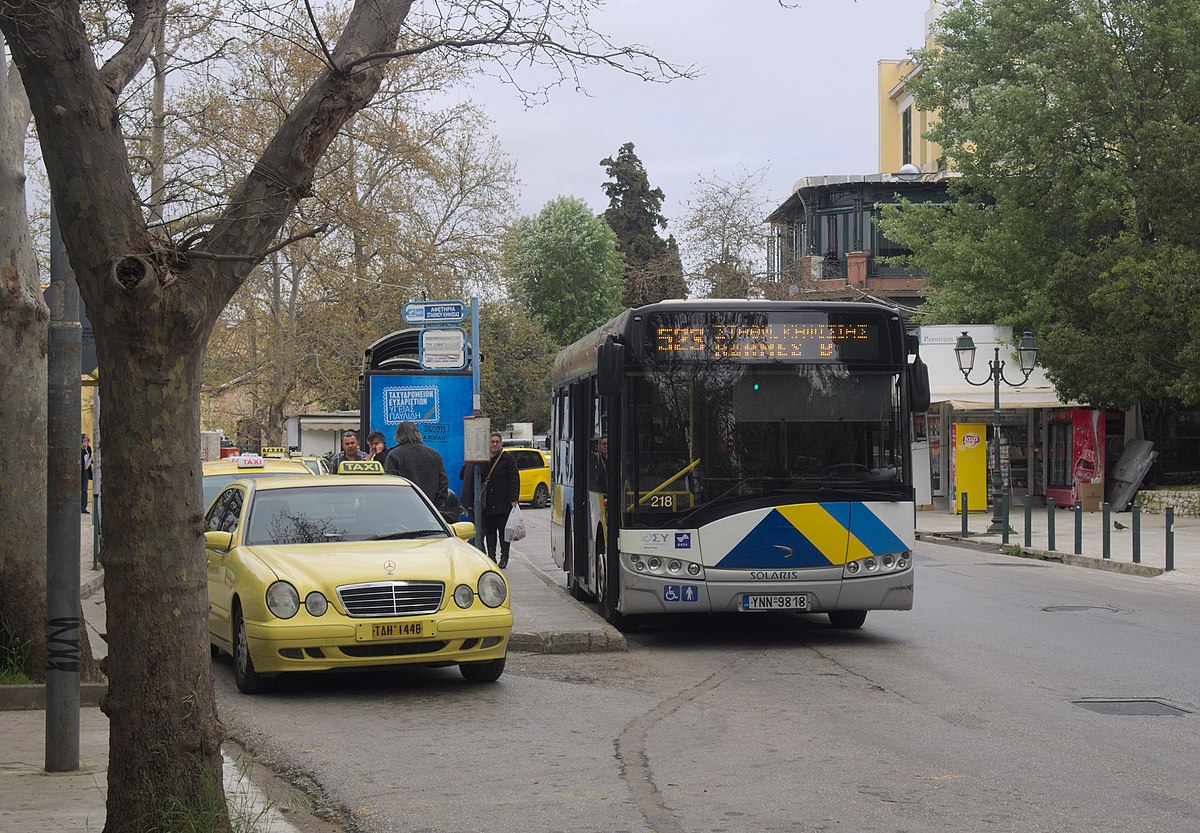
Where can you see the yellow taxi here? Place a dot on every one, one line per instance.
(353, 570)
(272, 462)
(317, 465)
(533, 466)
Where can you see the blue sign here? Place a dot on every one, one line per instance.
(434, 312)
(437, 404)
(681, 593)
(683, 540)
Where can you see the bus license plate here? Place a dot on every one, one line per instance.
(394, 630)
(774, 602)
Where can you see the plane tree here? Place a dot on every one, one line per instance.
(154, 296)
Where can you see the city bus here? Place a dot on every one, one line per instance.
(759, 459)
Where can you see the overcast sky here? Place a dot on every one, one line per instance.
(794, 89)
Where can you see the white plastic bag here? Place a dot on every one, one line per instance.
(514, 528)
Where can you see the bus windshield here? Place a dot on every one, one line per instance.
(713, 432)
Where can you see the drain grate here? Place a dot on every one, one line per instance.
(1149, 707)
(1073, 608)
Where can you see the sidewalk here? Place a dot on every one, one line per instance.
(942, 525)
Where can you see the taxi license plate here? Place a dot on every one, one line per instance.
(774, 602)
(394, 630)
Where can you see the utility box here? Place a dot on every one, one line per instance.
(210, 445)
(1089, 495)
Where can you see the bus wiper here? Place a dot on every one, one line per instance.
(411, 533)
(709, 503)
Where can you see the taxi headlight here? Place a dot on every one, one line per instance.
(464, 596)
(316, 603)
(283, 600)
(492, 591)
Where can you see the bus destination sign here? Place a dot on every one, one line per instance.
(768, 341)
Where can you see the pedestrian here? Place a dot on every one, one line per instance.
(378, 446)
(600, 465)
(500, 487)
(85, 470)
(350, 451)
(412, 459)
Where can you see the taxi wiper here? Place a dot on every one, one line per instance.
(411, 533)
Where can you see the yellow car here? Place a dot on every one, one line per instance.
(317, 465)
(219, 473)
(348, 571)
(533, 466)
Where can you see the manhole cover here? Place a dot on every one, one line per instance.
(1073, 608)
(1130, 707)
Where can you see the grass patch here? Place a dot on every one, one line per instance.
(12, 657)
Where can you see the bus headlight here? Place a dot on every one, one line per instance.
(888, 562)
(658, 566)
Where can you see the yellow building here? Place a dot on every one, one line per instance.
(902, 126)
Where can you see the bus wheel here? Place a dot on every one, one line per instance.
(607, 602)
(847, 619)
(569, 560)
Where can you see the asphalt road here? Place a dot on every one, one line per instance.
(961, 715)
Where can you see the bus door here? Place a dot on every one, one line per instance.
(580, 431)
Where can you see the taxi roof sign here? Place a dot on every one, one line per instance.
(249, 461)
(360, 467)
(273, 451)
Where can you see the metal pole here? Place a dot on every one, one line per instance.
(964, 515)
(63, 610)
(1004, 535)
(1029, 520)
(997, 524)
(97, 531)
(1137, 533)
(1170, 565)
(1050, 523)
(1079, 527)
(1106, 521)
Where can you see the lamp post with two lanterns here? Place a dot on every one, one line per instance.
(964, 352)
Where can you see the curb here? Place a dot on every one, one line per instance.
(607, 638)
(90, 583)
(1105, 564)
(27, 697)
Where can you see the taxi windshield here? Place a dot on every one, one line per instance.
(214, 483)
(332, 513)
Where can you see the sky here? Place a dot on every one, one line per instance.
(791, 89)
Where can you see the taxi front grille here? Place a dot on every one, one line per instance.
(392, 598)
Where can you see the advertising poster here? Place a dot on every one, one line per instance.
(968, 465)
(437, 404)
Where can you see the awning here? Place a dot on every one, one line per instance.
(983, 398)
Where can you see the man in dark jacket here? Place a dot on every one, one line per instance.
(501, 485)
(418, 462)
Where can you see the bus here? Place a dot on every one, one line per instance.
(759, 459)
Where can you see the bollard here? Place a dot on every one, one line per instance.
(1004, 515)
(964, 515)
(1050, 523)
(1136, 511)
(1105, 519)
(1029, 520)
(1079, 527)
(1170, 538)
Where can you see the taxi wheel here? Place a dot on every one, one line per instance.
(248, 680)
(847, 619)
(541, 497)
(482, 672)
(214, 650)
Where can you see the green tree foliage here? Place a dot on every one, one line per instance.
(565, 269)
(1076, 126)
(518, 355)
(724, 236)
(653, 270)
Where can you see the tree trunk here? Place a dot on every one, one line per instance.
(160, 695)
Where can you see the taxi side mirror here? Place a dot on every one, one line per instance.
(464, 530)
(217, 540)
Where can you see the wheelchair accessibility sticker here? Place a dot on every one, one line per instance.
(681, 593)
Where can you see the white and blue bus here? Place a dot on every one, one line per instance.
(759, 459)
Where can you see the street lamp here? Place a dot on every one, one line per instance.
(964, 352)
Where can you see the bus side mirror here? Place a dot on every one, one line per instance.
(918, 386)
(610, 362)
